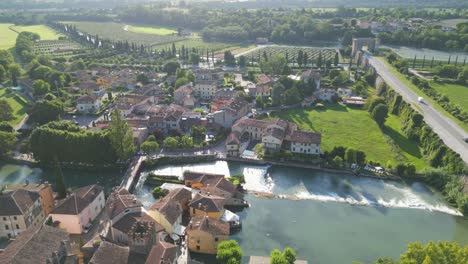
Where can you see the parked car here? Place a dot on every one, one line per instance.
(87, 228)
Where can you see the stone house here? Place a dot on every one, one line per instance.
(43, 189)
(207, 205)
(79, 209)
(205, 233)
(19, 210)
(88, 104)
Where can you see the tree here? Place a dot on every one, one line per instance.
(186, 142)
(350, 155)
(242, 61)
(276, 257)
(142, 78)
(229, 59)
(259, 102)
(229, 252)
(319, 60)
(3, 73)
(289, 255)
(194, 58)
(121, 136)
(77, 65)
(45, 111)
(171, 67)
(7, 142)
(5, 58)
(40, 87)
(149, 146)
(199, 132)
(380, 114)
(6, 112)
(292, 96)
(300, 58)
(170, 143)
(336, 60)
(277, 94)
(15, 72)
(59, 183)
(181, 81)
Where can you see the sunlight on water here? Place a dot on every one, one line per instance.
(301, 184)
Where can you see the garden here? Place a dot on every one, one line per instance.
(18, 104)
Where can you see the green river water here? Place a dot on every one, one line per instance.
(327, 218)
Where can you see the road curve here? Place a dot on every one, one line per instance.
(450, 132)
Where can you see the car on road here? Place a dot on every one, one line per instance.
(421, 100)
(465, 139)
(87, 228)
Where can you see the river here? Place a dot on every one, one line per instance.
(327, 218)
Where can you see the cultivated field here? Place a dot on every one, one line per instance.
(409, 53)
(354, 128)
(150, 30)
(291, 52)
(119, 32)
(19, 105)
(457, 94)
(7, 36)
(198, 43)
(56, 47)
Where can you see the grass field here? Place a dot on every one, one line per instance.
(7, 36)
(150, 30)
(354, 128)
(18, 104)
(457, 94)
(415, 89)
(44, 31)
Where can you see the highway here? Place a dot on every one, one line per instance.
(449, 131)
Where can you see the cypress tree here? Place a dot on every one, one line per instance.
(59, 183)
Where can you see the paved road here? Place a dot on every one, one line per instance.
(450, 132)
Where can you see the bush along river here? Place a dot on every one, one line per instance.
(326, 217)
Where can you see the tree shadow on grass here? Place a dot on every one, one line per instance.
(333, 107)
(402, 142)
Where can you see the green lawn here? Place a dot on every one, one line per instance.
(44, 31)
(18, 104)
(151, 30)
(457, 94)
(7, 36)
(354, 128)
(415, 89)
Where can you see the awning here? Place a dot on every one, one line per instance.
(229, 216)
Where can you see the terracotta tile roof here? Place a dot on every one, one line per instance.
(311, 74)
(35, 245)
(179, 195)
(199, 176)
(263, 79)
(119, 201)
(162, 253)
(109, 253)
(86, 99)
(233, 138)
(209, 225)
(126, 223)
(208, 203)
(17, 202)
(79, 200)
(169, 208)
(305, 137)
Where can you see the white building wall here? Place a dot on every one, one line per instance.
(312, 149)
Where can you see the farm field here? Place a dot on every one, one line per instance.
(56, 47)
(457, 94)
(292, 51)
(150, 30)
(116, 31)
(197, 43)
(7, 36)
(409, 53)
(44, 31)
(436, 105)
(349, 127)
(18, 104)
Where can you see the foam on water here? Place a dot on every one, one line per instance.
(402, 196)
